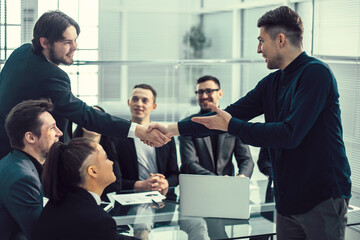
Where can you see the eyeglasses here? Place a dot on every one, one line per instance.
(207, 91)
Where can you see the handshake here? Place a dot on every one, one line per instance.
(156, 134)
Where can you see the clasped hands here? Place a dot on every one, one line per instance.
(155, 182)
(156, 134)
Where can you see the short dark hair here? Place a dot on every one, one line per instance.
(63, 167)
(207, 78)
(52, 25)
(147, 86)
(24, 117)
(283, 19)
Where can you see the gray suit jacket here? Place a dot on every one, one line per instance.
(197, 155)
(21, 196)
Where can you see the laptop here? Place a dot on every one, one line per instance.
(214, 196)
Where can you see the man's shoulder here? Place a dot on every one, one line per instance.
(16, 165)
(310, 61)
(26, 47)
(32, 62)
(17, 172)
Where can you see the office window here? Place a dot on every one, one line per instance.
(337, 38)
(10, 27)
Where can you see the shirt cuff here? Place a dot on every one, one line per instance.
(131, 133)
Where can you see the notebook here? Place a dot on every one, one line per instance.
(214, 196)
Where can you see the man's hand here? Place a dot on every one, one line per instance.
(163, 183)
(156, 182)
(169, 130)
(154, 138)
(220, 121)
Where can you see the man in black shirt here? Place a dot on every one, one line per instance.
(302, 131)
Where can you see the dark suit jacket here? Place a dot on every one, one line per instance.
(197, 155)
(21, 196)
(264, 162)
(166, 161)
(26, 75)
(76, 217)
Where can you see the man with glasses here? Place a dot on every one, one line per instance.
(212, 155)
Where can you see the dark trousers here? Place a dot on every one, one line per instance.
(326, 221)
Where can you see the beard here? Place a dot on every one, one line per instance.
(275, 62)
(205, 110)
(57, 60)
(205, 107)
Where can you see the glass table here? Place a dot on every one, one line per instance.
(148, 221)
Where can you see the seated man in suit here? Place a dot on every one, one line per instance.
(212, 155)
(144, 167)
(31, 130)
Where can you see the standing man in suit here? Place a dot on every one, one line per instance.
(31, 130)
(144, 167)
(32, 72)
(212, 155)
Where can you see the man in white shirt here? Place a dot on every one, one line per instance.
(144, 167)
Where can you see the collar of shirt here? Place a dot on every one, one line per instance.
(38, 166)
(295, 63)
(97, 197)
(48, 60)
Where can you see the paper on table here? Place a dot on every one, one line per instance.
(138, 198)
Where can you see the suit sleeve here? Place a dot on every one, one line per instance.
(264, 163)
(243, 158)
(72, 108)
(190, 162)
(25, 203)
(172, 169)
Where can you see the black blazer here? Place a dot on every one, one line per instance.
(21, 196)
(166, 161)
(77, 217)
(27, 75)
